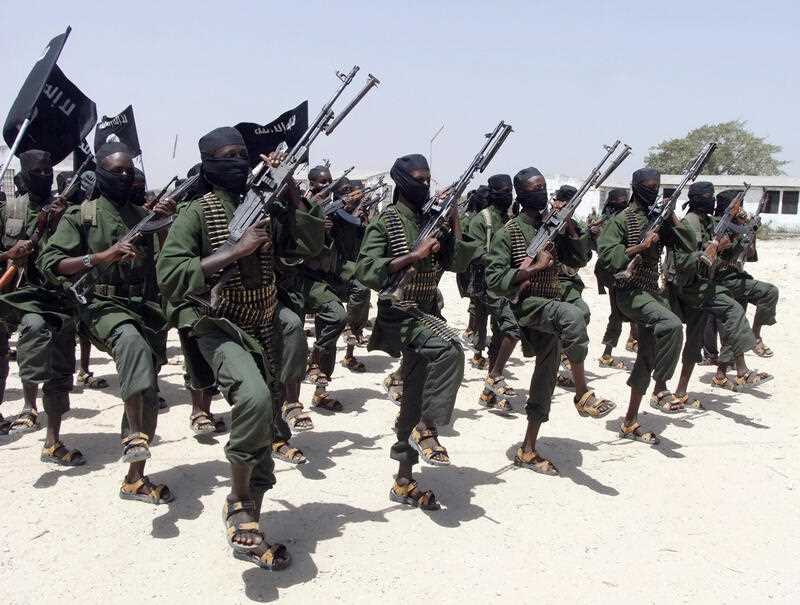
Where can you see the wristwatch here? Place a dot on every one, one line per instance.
(87, 261)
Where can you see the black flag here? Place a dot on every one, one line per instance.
(288, 127)
(123, 127)
(61, 115)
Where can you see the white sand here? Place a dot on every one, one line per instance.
(710, 515)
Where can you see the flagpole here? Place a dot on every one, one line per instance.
(12, 152)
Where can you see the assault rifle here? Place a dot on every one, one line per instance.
(323, 193)
(749, 237)
(662, 210)
(268, 184)
(373, 196)
(149, 224)
(46, 219)
(726, 225)
(555, 221)
(438, 208)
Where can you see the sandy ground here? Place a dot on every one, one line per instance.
(710, 515)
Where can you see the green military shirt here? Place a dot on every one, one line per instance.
(500, 271)
(82, 231)
(393, 326)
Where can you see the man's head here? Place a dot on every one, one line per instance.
(645, 184)
(319, 177)
(500, 192)
(531, 189)
(115, 172)
(701, 197)
(564, 194)
(225, 161)
(617, 199)
(479, 199)
(724, 199)
(412, 178)
(36, 168)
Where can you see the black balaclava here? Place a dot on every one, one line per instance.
(701, 197)
(724, 199)
(500, 191)
(229, 174)
(565, 193)
(317, 174)
(138, 189)
(411, 189)
(616, 200)
(644, 196)
(115, 187)
(38, 185)
(536, 200)
(479, 199)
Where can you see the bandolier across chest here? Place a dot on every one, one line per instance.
(645, 276)
(543, 284)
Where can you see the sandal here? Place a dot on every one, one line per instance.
(632, 345)
(694, 403)
(409, 495)
(202, 423)
(26, 422)
(353, 364)
(322, 400)
(272, 557)
(436, 455)
(88, 380)
(361, 340)
(753, 378)
(235, 530)
(479, 362)
(394, 388)
(219, 423)
(666, 402)
(5, 425)
(144, 491)
(607, 361)
(589, 405)
(291, 455)
(135, 448)
(762, 350)
(565, 381)
(633, 433)
(498, 386)
(534, 462)
(296, 417)
(59, 454)
(313, 374)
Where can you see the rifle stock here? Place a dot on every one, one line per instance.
(725, 225)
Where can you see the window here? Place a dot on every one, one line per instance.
(668, 191)
(773, 200)
(789, 205)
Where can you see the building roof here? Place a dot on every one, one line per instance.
(731, 181)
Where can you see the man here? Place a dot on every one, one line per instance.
(472, 284)
(616, 202)
(639, 300)
(46, 345)
(123, 316)
(235, 338)
(409, 324)
(545, 320)
(696, 294)
(505, 332)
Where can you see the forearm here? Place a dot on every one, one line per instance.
(74, 265)
(224, 256)
(401, 262)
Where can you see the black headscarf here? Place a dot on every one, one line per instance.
(38, 185)
(536, 200)
(645, 196)
(139, 188)
(479, 199)
(412, 190)
(21, 189)
(116, 187)
(565, 193)
(500, 191)
(724, 199)
(701, 197)
(229, 174)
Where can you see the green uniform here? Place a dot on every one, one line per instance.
(42, 313)
(123, 316)
(433, 364)
(347, 238)
(571, 283)
(696, 296)
(639, 300)
(482, 229)
(546, 321)
(235, 340)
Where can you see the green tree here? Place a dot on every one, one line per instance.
(739, 151)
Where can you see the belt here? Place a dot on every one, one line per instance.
(128, 290)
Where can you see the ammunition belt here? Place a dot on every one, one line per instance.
(646, 274)
(543, 284)
(422, 285)
(436, 325)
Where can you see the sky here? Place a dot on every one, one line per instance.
(569, 76)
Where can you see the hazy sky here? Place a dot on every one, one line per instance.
(569, 76)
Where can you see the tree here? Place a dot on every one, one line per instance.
(739, 151)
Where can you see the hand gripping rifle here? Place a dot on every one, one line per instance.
(46, 219)
(555, 221)
(150, 223)
(338, 204)
(663, 209)
(268, 184)
(726, 225)
(323, 193)
(439, 207)
(749, 237)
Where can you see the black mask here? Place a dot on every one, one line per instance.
(535, 200)
(116, 187)
(645, 196)
(724, 199)
(411, 189)
(36, 173)
(701, 197)
(229, 174)
(500, 191)
(38, 185)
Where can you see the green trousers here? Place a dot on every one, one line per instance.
(564, 319)
(432, 370)
(746, 290)
(330, 319)
(357, 306)
(660, 334)
(479, 310)
(503, 323)
(293, 346)
(5, 335)
(546, 348)
(243, 380)
(615, 319)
